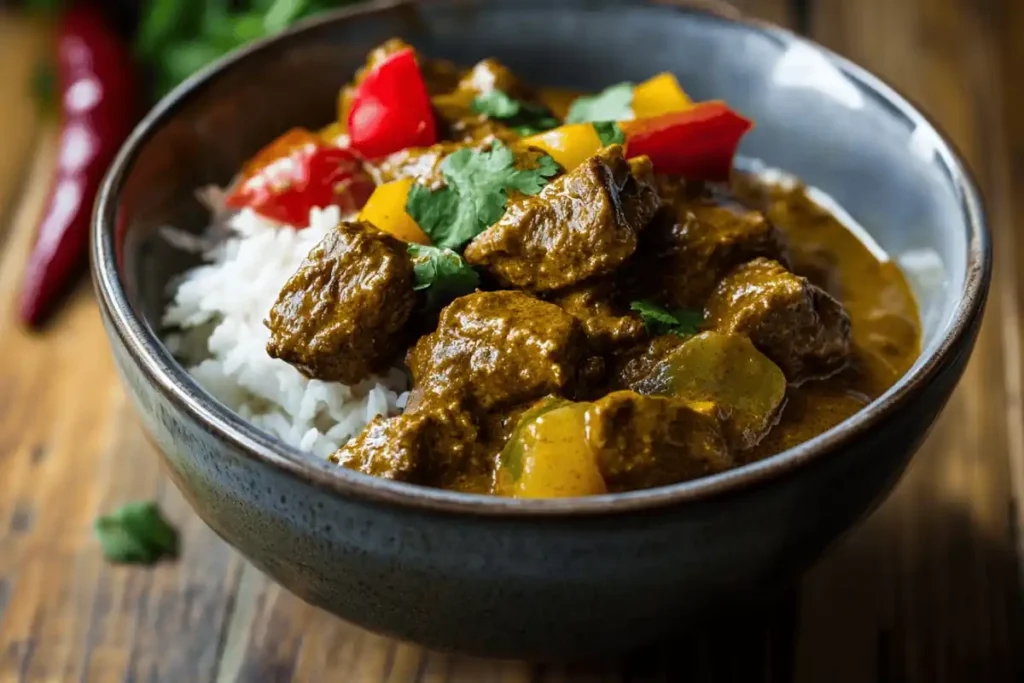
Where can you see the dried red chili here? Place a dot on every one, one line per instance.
(99, 103)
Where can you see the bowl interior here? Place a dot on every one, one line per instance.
(818, 117)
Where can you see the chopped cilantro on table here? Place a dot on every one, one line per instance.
(441, 274)
(611, 104)
(525, 118)
(682, 322)
(475, 195)
(609, 133)
(136, 533)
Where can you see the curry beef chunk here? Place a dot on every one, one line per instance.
(498, 350)
(645, 441)
(630, 368)
(492, 354)
(606, 321)
(434, 445)
(692, 246)
(583, 224)
(793, 322)
(342, 315)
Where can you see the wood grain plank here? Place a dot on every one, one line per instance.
(70, 449)
(927, 589)
(1008, 202)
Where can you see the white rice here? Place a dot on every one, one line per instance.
(219, 309)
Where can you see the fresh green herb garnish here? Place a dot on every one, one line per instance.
(609, 133)
(475, 195)
(441, 274)
(525, 118)
(659, 320)
(136, 533)
(611, 104)
(178, 37)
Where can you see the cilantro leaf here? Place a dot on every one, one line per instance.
(611, 104)
(441, 274)
(497, 104)
(525, 118)
(609, 133)
(476, 193)
(659, 320)
(136, 533)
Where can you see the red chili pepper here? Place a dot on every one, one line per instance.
(99, 106)
(296, 172)
(698, 143)
(391, 109)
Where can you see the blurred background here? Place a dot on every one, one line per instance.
(927, 590)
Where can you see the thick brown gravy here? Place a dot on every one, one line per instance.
(883, 313)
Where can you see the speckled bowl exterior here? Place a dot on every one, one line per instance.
(563, 578)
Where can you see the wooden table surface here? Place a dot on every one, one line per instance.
(927, 590)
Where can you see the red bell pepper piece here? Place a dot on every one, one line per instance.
(391, 109)
(296, 172)
(697, 143)
(99, 104)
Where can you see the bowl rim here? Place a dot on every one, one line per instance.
(170, 378)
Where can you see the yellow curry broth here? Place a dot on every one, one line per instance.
(886, 329)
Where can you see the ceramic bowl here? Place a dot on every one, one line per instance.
(554, 578)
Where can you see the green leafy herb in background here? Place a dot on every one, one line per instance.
(611, 104)
(475, 195)
(441, 274)
(609, 133)
(136, 533)
(176, 38)
(659, 320)
(525, 118)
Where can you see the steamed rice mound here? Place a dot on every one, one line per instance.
(218, 310)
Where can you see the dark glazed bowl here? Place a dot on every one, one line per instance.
(541, 579)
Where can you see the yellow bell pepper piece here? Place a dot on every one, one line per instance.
(557, 461)
(570, 145)
(385, 210)
(659, 95)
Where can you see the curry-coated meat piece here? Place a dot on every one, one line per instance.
(342, 315)
(644, 441)
(435, 445)
(632, 366)
(608, 324)
(497, 350)
(691, 246)
(583, 224)
(793, 322)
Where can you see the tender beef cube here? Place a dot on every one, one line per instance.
(690, 247)
(583, 224)
(793, 322)
(645, 441)
(497, 350)
(607, 324)
(341, 316)
(631, 368)
(434, 445)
